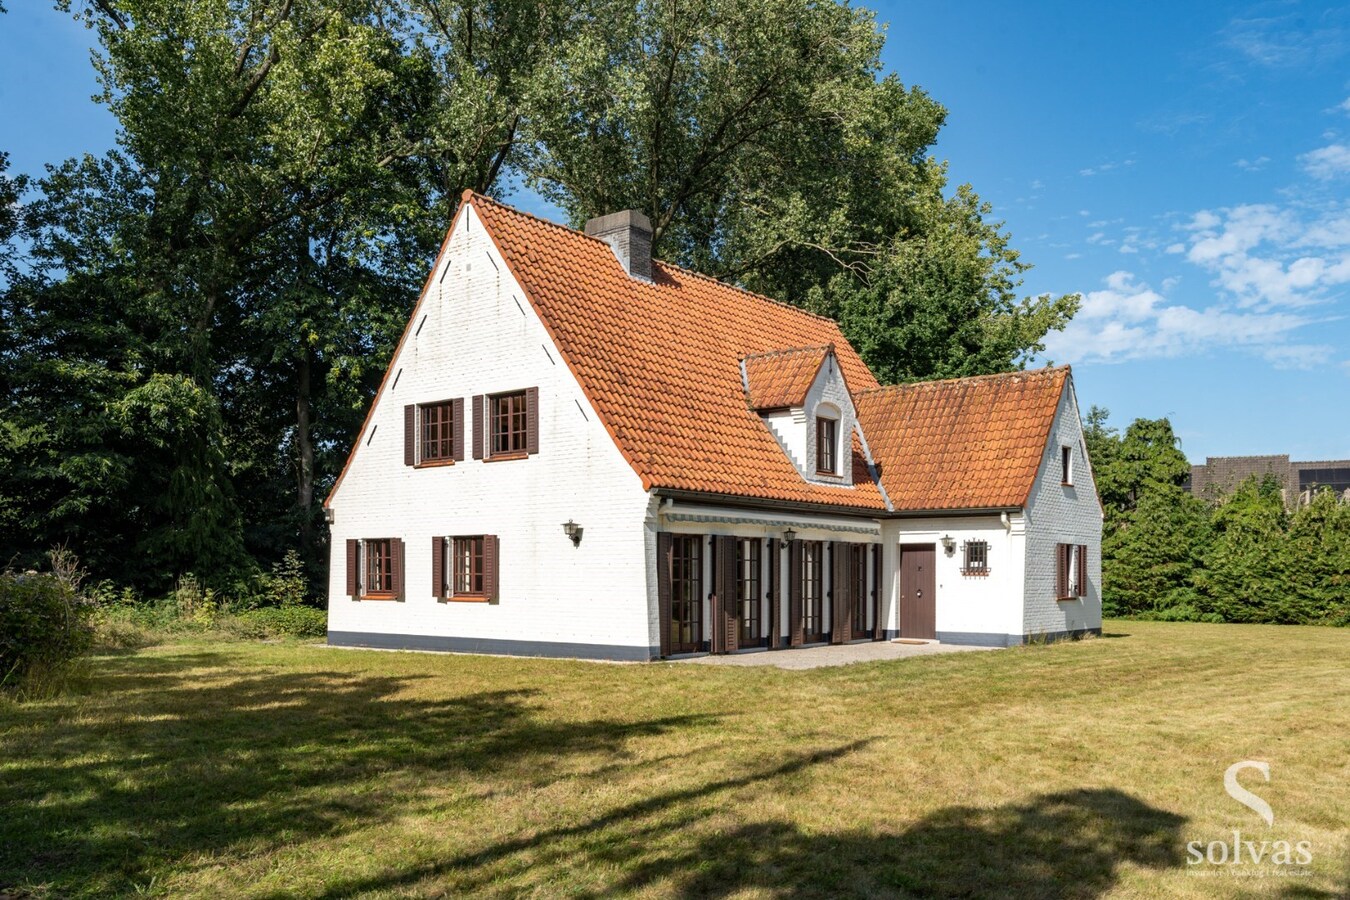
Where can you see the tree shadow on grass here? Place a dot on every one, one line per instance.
(167, 762)
(1059, 846)
(1055, 846)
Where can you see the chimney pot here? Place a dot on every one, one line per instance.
(629, 234)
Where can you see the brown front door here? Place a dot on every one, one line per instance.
(918, 591)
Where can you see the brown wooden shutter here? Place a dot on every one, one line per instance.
(457, 429)
(774, 594)
(878, 629)
(665, 546)
(410, 435)
(532, 420)
(491, 566)
(397, 547)
(1061, 570)
(1082, 570)
(353, 568)
(840, 608)
(728, 592)
(438, 567)
(795, 593)
(478, 427)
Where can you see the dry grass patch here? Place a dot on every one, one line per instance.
(1074, 770)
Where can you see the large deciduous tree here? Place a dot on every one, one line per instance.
(759, 138)
(203, 313)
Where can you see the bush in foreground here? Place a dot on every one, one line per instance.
(44, 623)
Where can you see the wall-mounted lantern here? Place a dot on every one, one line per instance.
(573, 532)
(948, 544)
(788, 536)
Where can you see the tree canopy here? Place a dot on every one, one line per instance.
(194, 322)
(1239, 557)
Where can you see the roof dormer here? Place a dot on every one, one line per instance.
(801, 396)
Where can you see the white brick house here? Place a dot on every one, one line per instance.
(580, 451)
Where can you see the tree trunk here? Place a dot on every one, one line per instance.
(304, 445)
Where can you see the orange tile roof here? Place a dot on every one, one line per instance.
(661, 361)
(966, 443)
(782, 378)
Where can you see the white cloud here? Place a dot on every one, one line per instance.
(1175, 248)
(1257, 253)
(1087, 173)
(1252, 165)
(1327, 162)
(1286, 41)
(1345, 106)
(1129, 320)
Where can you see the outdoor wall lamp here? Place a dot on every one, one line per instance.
(948, 544)
(573, 531)
(788, 537)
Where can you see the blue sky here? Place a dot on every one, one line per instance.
(1185, 166)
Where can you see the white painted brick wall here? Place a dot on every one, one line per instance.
(966, 604)
(481, 336)
(1058, 514)
(795, 428)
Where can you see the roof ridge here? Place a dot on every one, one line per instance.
(992, 376)
(787, 351)
(470, 193)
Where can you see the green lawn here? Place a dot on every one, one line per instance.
(1074, 770)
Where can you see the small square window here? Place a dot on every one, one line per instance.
(976, 558)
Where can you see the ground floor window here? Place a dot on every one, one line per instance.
(857, 581)
(813, 591)
(686, 593)
(468, 571)
(379, 567)
(748, 579)
(1070, 571)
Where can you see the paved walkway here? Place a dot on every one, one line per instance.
(827, 655)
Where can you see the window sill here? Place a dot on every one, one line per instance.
(1066, 484)
(501, 457)
(379, 596)
(829, 472)
(435, 463)
(1067, 599)
(977, 573)
(466, 598)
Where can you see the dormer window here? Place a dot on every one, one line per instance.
(827, 434)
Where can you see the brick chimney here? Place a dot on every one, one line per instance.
(629, 233)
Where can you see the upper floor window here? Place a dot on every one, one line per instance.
(438, 432)
(826, 440)
(509, 423)
(433, 433)
(1066, 464)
